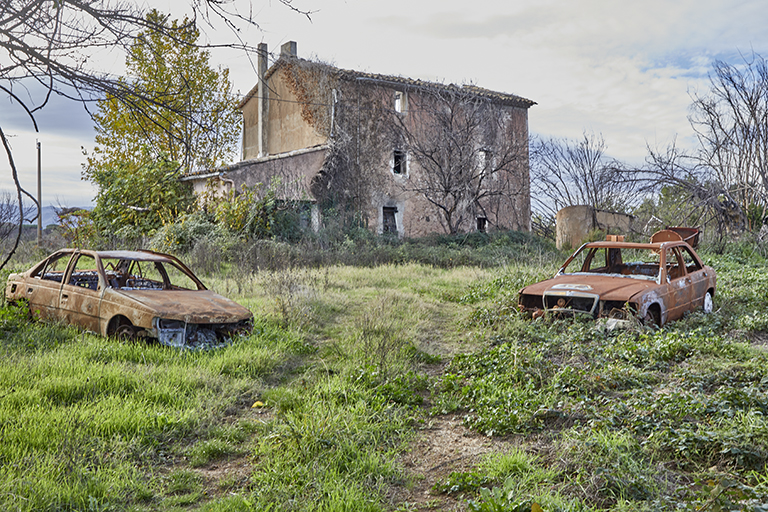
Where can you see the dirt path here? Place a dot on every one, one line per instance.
(443, 446)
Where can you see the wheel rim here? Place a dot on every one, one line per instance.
(650, 319)
(125, 332)
(708, 304)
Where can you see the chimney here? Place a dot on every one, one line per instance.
(288, 49)
(261, 68)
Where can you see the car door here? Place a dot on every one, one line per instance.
(43, 286)
(698, 278)
(81, 293)
(679, 284)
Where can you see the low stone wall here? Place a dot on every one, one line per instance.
(574, 223)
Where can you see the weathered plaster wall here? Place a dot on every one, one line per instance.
(250, 129)
(574, 223)
(419, 217)
(294, 172)
(286, 129)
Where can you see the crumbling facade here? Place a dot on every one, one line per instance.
(403, 156)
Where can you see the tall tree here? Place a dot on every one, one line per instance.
(187, 113)
(52, 43)
(134, 201)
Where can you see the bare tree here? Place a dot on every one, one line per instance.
(698, 197)
(731, 122)
(570, 173)
(472, 157)
(9, 216)
(52, 46)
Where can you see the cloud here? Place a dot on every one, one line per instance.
(620, 67)
(60, 115)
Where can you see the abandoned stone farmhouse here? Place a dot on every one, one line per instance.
(397, 155)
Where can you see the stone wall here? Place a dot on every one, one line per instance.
(574, 223)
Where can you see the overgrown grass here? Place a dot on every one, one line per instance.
(85, 419)
(632, 420)
(347, 368)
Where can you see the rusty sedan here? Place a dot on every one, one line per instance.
(129, 294)
(656, 282)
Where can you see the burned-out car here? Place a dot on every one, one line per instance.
(129, 294)
(656, 282)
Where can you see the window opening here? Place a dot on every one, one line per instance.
(485, 161)
(54, 269)
(399, 102)
(634, 263)
(675, 264)
(482, 224)
(399, 162)
(84, 273)
(690, 262)
(389, 224)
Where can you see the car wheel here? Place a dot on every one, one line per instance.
(708, 303)
(125, 332)
(652, 318)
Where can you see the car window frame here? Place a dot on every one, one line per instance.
(41, 269)
(72, 264)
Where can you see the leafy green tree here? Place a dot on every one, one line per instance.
(137, 201)
(186, 110)
(184, 118)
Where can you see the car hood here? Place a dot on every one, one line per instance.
(191, 306)
(608, 287)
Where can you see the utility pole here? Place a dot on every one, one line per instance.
(39, 199)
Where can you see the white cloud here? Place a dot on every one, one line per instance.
(620, 67)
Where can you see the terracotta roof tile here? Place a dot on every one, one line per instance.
(348, 74)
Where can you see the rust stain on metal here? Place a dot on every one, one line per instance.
(131, 294)
(600, 278)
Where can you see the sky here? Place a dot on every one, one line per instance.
(623, 69)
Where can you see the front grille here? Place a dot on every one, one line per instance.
(581, 302)
(531, 301)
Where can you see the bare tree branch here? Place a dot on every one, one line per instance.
(469, 150)
(19, 190)
(570, 173)
(56, 44)
(731, 123)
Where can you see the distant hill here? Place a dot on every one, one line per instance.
(50, 217)
(49, 214)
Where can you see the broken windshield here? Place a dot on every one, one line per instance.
(146, 275)
(632, 263)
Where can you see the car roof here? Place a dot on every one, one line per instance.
(134, 255)
(636, 245)
(124, 255)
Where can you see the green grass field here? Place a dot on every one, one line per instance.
(396, 387)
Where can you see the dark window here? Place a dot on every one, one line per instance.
(54, 269)
(399, 162)
(690, 262)
(85, 274)
(389, 223)
(482, 224)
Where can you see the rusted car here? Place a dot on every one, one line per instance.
(656, 282)
(129, 294)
